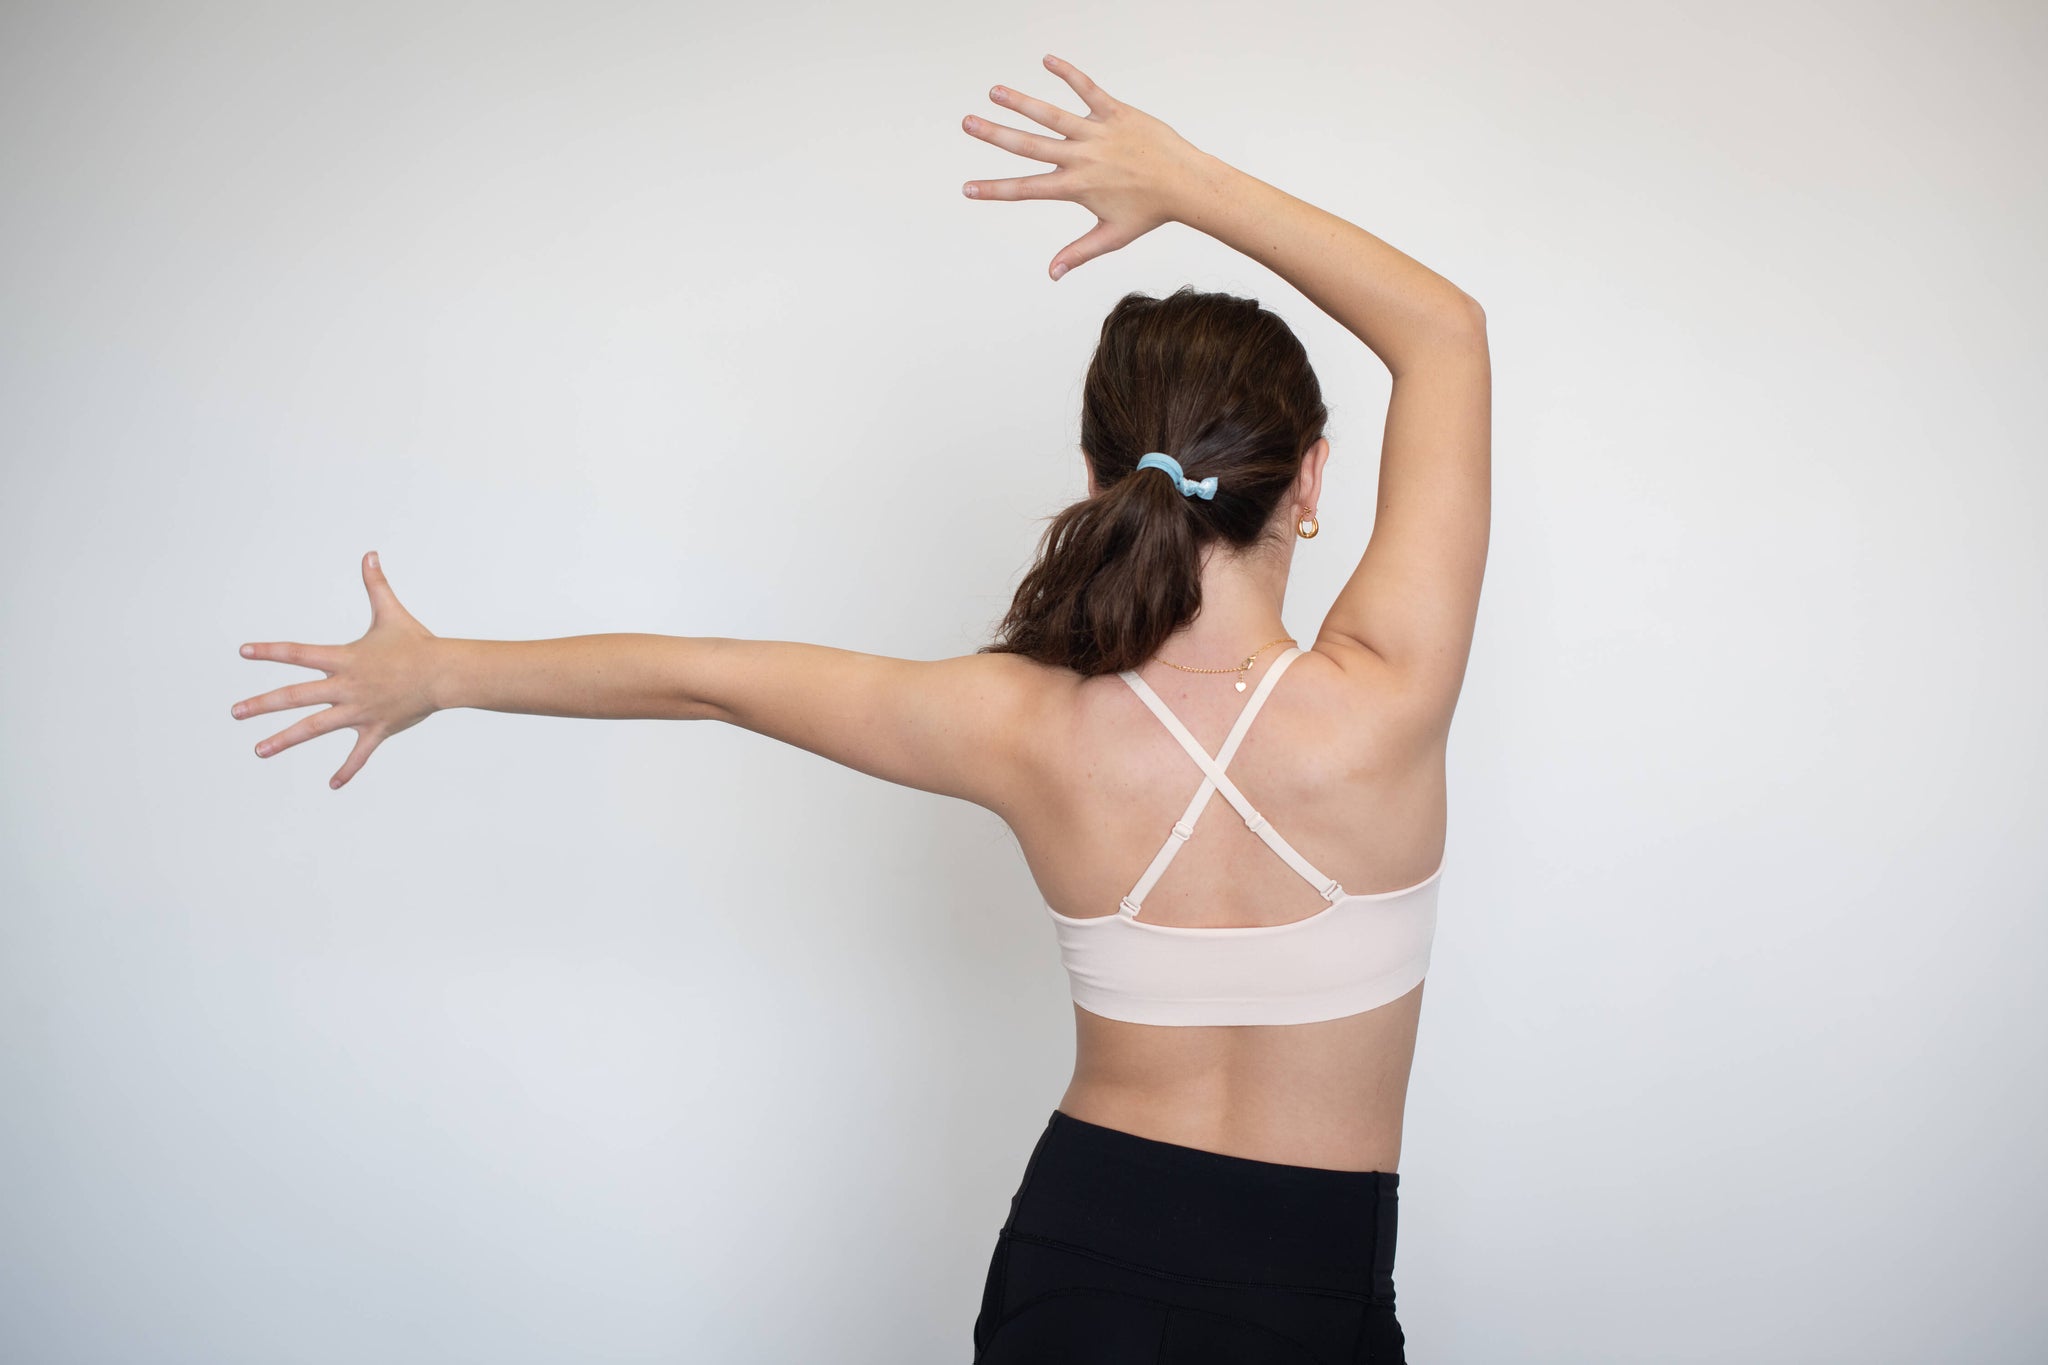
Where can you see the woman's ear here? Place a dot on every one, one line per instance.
(1088, 470)
(1309, 488)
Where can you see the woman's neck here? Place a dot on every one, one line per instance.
(1241, 599)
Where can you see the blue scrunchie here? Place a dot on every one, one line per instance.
(1189, 488)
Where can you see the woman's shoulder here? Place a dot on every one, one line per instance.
(1339, 697)
(1348, 679)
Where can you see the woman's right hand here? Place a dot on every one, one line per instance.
(1121, 164)
(377, 685)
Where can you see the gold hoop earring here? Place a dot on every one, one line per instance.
(1306, 525)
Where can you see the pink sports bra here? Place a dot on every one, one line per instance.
(1356, 953)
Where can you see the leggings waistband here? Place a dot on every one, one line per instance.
(1206, 1215)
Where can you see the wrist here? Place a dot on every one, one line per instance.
(443, 684)
(1202, 187)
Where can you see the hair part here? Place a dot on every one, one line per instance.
(1224, 387)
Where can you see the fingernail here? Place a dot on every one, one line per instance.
(247, 650)
(1059, 269)
(972, 123)
(998, 94)
(238, 710)
(373, 559)
(333, 783)
(263, 751)
(970, 190)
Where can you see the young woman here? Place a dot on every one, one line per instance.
(1218, 1182)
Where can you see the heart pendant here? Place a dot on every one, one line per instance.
(1240, 684)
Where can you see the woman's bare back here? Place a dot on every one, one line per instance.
(1353, 773)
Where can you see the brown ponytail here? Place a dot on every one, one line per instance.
(1224, 387)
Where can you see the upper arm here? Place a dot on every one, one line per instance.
(956, 726)
(1414, 598)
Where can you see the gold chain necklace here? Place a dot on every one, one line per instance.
(1240, 669)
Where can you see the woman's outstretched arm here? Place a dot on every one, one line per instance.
(1412, 601)
(958, 727)
(950, 726)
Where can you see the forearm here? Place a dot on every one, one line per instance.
(1401, 309)
(604, 677)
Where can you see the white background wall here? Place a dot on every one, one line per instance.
(549, 1040)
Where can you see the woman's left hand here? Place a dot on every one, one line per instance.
(377, 685)
(1123, 165)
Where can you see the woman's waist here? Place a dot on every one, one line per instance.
(1291, 1125)
(1335, 1099)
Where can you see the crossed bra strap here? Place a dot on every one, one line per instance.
(1214, 780)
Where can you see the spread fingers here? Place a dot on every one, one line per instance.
(1038, 111)
(1033, 145)
(319, 723)
(1044, 185)
(287, 698)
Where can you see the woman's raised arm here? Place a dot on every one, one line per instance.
(1414, 597)
(958, 727)
(1413, 600)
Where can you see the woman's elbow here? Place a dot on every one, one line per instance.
(1470, 317)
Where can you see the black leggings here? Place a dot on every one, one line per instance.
(1124, 1249)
